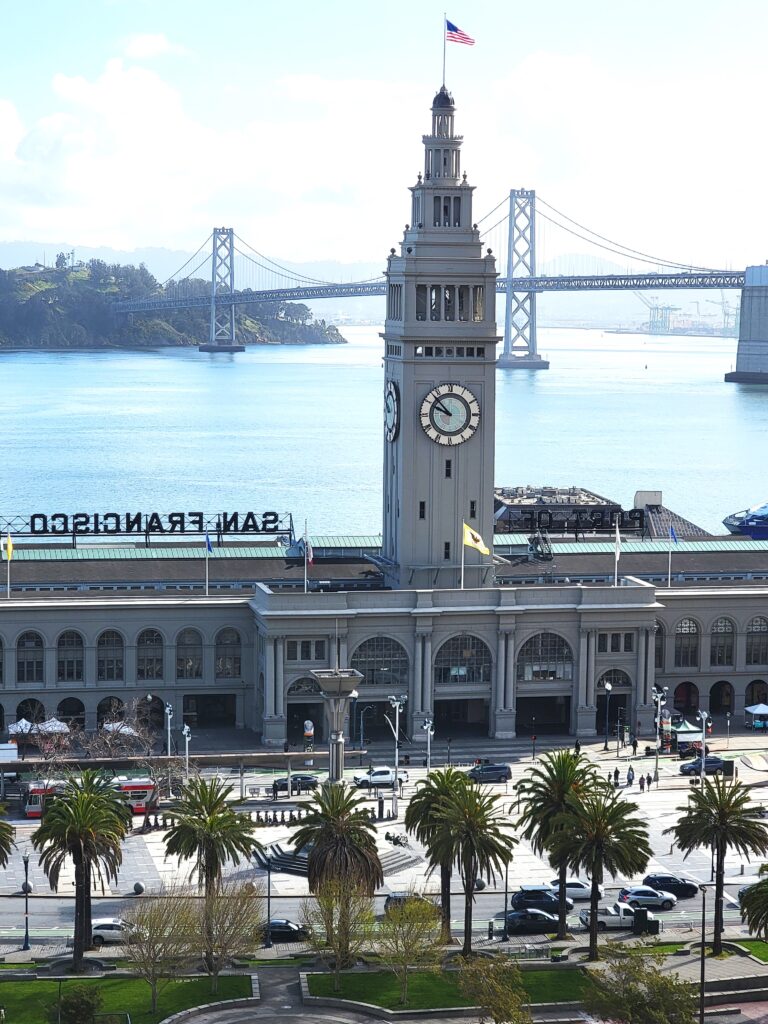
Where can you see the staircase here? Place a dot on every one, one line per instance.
(291, 862)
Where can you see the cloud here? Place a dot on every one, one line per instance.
(148, 46)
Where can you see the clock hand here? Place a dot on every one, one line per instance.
(441, 408)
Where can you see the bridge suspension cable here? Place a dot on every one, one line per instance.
(194, 254)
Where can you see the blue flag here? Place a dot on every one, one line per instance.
(672, 534)
(208, 545)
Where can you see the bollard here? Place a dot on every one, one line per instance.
(742, 869)
(381, 808)
(282, 817)
(490, 929)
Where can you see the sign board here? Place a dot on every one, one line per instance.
(142, 524)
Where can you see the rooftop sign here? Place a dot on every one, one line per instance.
(144, 524)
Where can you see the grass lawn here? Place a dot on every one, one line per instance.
(667, 948)
(756, 947)
(26, 1002)
(429, 991)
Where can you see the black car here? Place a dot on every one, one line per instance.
(536, 897)
(282, 930)
(300, 783)
(530, 921)
(712, 766)
(490, 773)
(680, 887)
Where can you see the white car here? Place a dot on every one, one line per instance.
(109, 930)
(576, 889)
(378, 777)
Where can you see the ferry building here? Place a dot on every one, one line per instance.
(524, 639)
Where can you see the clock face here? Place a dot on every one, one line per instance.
(391, 410)
(450, 414)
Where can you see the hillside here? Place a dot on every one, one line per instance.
(68, 307)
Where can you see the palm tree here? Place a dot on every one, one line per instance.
(87, 821)
(342, 841)
(754, 905)
(558, 776)
(209, 831)
(470, 833)
(600, 832)
(7, 833)
(422, 819)
(719, 816)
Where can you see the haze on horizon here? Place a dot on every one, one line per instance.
(129, 124)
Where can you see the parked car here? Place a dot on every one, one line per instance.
(744, 890)
(644, 896)
(282, 930)
(680, 887)
(108, 930)
(712, 766)
(300, 782)
(378, 777)
(618, 917)
(538, 897)
(490, 773)
(399, 899)
(576, 889)
(531, 921)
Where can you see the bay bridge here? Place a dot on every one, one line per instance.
(516, 234)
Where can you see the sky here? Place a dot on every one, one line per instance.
(135, 123)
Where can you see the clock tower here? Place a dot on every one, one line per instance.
(439, 378)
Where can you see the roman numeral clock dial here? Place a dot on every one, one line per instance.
(449, 414)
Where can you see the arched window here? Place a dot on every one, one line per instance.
(30, 709)
(149, 655)
(545, 657)
(189, 655)
(463, 659)
(686, 644)
(29, 658)
(659, 645)
(109, 656)
(228, 654)
(721, 642)
(383, 662)
(69, 657)
(109, 709)
(618, 679)
(757, 641)
(72, 711)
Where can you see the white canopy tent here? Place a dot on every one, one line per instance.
(120, 727)
(51, 726)
(22, 726)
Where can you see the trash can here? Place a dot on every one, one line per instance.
(653, 927)
(640, 923)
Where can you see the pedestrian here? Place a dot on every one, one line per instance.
(630, 775)
(577, 748)
(648, 781)
(615, 776)
(642, 783)
(274, 790)
(634, 746)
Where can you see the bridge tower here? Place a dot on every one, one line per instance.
(440, 340)
(520, 315)
(752, 351)
(222, 336)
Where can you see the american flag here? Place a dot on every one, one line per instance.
(454, 34)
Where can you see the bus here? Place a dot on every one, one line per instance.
(137, 793)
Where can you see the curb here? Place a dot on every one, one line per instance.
(226, 1004)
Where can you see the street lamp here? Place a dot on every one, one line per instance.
(505, 933)
(728, 727)
(703, 951)
(702, 717)
(533, 738)
(397, 703)
(26, 888)
(186, 732)
(268, 932)
(608, 688)
(363, 712)
(659, 701)
(429, 728)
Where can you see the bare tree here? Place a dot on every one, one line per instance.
(409, 937)
(340, 923)
(232, 919)
(496, 985)
(162, 937)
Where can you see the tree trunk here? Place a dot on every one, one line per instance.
(446, 873)
(153, 987)
(594, 899)
(717, 940)
(562, 927)
(404, 991)
(78, 952)
(87, 910)
(468, 874)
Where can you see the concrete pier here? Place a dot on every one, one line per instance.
(752, 353)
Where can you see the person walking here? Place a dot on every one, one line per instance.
(577, 748)
(642, 783)
(634, 746)
(615, 776)
(649, 780)
(630, 775)
(275, 790)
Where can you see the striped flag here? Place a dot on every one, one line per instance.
(8, 548)
(455, 35)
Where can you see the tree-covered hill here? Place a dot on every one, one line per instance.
(64, 307)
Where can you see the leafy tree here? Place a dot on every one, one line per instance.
(423, 821)
(342, 841)
(471, 835)
(79, 1004)
(600, 833)
(161, 937)
(87, 822)
(340, 923)
(719, 816)
(633, 989)
(557, 777)
(61, 260)
(409, 938)
(496, 985)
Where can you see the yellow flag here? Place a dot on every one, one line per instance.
(8, 548)
(472, 539)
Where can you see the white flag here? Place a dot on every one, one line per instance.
(618, 543)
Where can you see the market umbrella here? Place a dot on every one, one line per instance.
(126, 730)
(51, 726)
(758, 709)
(22, 726)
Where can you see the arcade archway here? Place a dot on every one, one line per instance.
(757, 693)
(686, 697)
(721, 698)
(304, 702)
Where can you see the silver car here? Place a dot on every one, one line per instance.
(109, 930)
(645, 896)
(576, 889)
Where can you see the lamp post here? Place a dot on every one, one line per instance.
(363, 712)
(702, 717)
(533, 738)
(659, 701)
(702, 977)
(728, 727)
(608, 688)
(397, 704)
(27, 888)
(505, 933)
(186, 732)
(268, 932)
(429, 728)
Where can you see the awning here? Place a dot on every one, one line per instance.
(758, 709)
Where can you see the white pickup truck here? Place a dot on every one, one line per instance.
(618, 917)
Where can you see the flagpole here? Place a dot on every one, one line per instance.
(445, 19)
(305, 556)
(669, 557)
(462, 555)
(206, 568)
(8, 577)
(617, 549)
